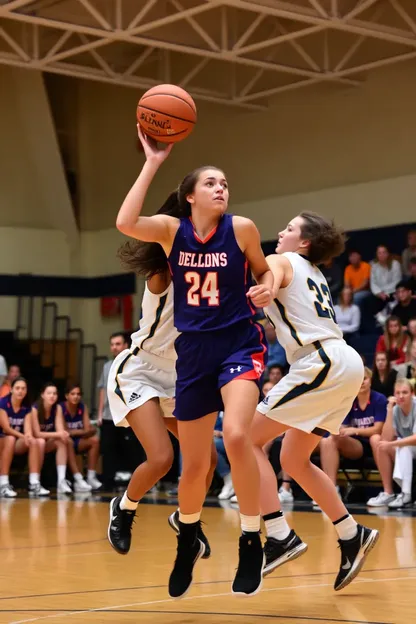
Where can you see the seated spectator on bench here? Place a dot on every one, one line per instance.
(277, 355)
(17, 439)
(405, 309)
(409, 253)
(412, 278)
(275, 372)
(385, 274)
(223, 465)
(359, 433)
(408, 369)
(357, 277)
(83, 439)
(411, 328)
(48, 424)
(384, 377)
(394, 341)
(12, 374)
(348, 315)
(397, 449)
(3, 369)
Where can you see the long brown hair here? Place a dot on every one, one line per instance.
(41, 403)
(327, 240)
(401, 338)
(376, 372)
(389, 259)
(148, 259)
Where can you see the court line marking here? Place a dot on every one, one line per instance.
(210, 614)
(195, 584)
(221, 595)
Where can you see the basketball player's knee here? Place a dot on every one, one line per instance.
(94, 441)
(40, 442)
(161, 462)
(195, 467)
(375, 441)
(9, 441)
(235, 439)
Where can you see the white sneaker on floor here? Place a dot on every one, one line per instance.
(82, 486)
(233, 499)
(228, 489)
(94, 483)
(286, 496)
(7, 491)
(400, 501)
(64, 487)
(380, 500)
(37, 489)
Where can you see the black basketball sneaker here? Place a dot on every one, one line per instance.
(251, 562)
(189, 550)
(279, 552)
(174, 524)
(120, 526)
(353, 555)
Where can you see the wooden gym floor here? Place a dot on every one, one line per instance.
(56, 566)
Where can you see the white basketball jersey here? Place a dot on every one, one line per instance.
(303, 312)
(157, 333)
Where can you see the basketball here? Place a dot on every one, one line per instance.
(167, 113)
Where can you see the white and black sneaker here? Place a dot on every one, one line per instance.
(174, 524)
(279, 552)
(251, 562)
(37, 489)
(189, 550)
(7, 491)
(120, 526)
(353, 555)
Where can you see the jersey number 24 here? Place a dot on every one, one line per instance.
(323, 296)
(209, 289)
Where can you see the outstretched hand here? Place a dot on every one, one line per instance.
(151, 149)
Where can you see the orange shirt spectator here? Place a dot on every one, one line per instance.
(6, 387)
(357, 273)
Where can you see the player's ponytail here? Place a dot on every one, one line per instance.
(149, 259)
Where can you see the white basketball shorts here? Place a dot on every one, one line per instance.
(319, 389)
(135, 379)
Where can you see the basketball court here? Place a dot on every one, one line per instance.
(57, 566)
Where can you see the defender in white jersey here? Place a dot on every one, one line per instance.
(314, 397)
(141, 389)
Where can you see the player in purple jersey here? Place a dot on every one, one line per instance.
(221, 351)
(82, 439)
(18, 438)
(48, 425)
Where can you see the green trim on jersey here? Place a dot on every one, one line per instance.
(285, 320)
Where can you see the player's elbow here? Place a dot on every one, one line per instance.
(123, 226)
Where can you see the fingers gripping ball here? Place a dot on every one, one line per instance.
(167, 113)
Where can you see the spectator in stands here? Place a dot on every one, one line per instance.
(405, 309)
(113, 443)
(408, 369)
(394, 341)
(12, 374)
(48, 424)
(411, 328)
(412, 278)
(83, 439)
(276, 372)
(223, 465)
(277, 355)
(17, 438)
(333, 275)
(357, 277)
(348, 315)
(385, 275)
(384, 377)
(360, 432)
(397, 448)
(3, 369)
(409, 252)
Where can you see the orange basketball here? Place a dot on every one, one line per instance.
(167, 113)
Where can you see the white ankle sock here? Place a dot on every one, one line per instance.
(127, 503)
(276, 527)
(34, 477)
(346, 527)
(189, 518)
(4, 480)
(61, 471)
(250, 524)
(78, 476)
(91, 474)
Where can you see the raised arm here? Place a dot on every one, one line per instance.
(158, 228)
